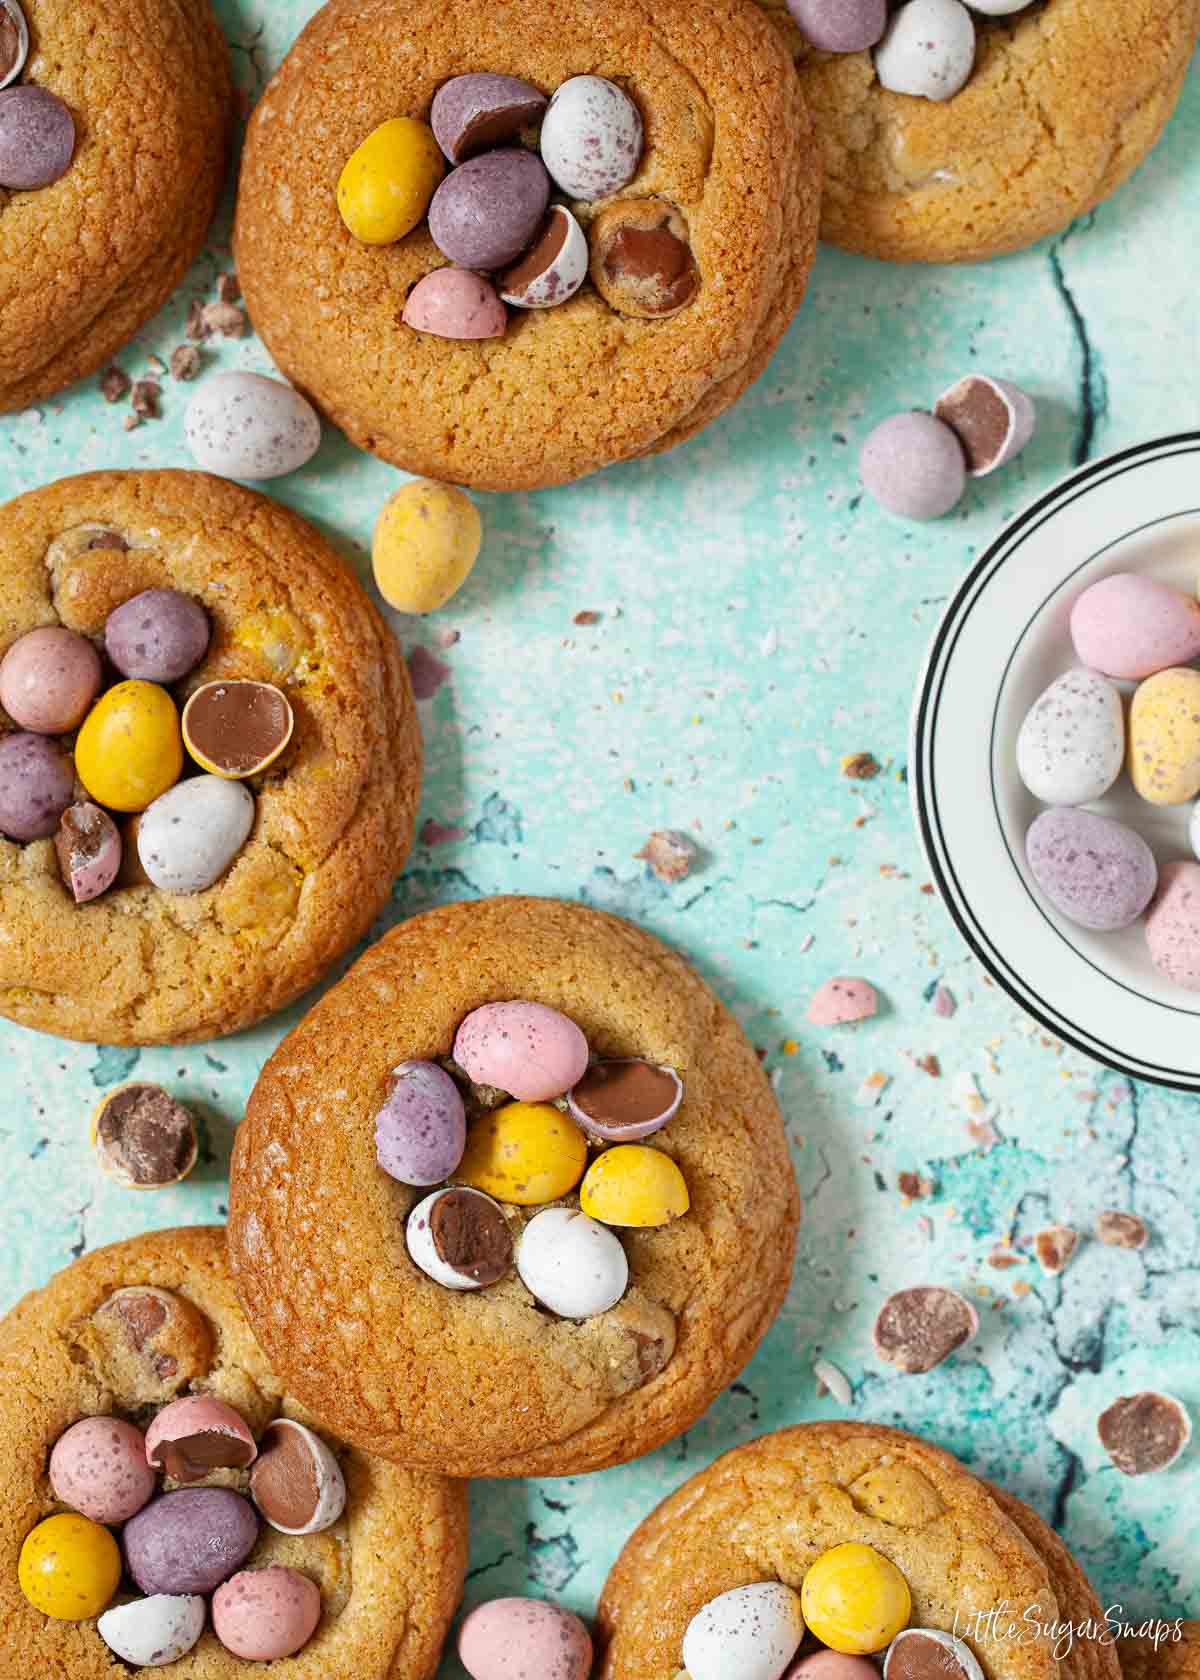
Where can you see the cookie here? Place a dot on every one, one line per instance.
(767, 1511)
(321, 833)
(484, 1381)
(85, 261)
(1165, 1658)
(1065, 100)
(719, 109)
(389, 1570)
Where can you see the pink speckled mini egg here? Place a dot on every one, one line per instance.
(512, 1638)
(99, 1469)
(532, 1052)
(1132, 626)
(455, 303)
(265, 1614)
(1173, 924)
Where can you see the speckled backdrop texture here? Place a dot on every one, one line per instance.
(758, 620)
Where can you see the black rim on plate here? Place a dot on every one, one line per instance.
(924, 727)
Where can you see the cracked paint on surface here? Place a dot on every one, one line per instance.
(758, 622)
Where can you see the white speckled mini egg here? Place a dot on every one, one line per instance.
(572, 1264)
(591, 138)
(752, 1632)
(1071, 746)
(151, 1632)
(244, 425)
(191, 834)
(553, 269)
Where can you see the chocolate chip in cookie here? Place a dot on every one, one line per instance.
(147, 1344)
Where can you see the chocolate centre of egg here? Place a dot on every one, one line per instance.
(624, 1095)
(144, 1315)
(472, 1236)
(980, 417)
(1144, 1432)
(284, 1478)
(237, 726)
(642, 263)
(82, 833)
(915, 1656)
(10, 44)
(191, 1457)
(145, 1135)
(541, 254)
(918, 1328)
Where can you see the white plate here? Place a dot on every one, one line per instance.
(1003, 639)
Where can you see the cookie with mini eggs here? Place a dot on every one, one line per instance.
(522, 1174)
(846, 1551)
(165, 1502)
(209, 757)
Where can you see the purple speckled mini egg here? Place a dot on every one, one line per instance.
(913, 465)
(591, 138)
(474, 112)
(98, 1468)
(527, 1049)
(37, 784)
(421, 1130)
(37, 138)
(157, 636)
(1173, 925)
(490, 208)
(840, 26)
(1098, 873)
(511, 1638)
(189, 1541)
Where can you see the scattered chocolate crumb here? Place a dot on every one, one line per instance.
(144, 1137)
(911, 1184)
(927, 888)
(669, 853)
(114, 383)
(1054, 1247)
(448, 638)
(919, 1328)
(228, 289)
(930, 1065)
(1001, 1258)
(197, 328)
(156, 364)
(426, 672)
(185, 362)
(435, 833)
(1122, 1230)
(131, 422)
(146, 393)
(944, 1003)
(861, 766)
(586, 617)
(226, 319)
(1144, 1432)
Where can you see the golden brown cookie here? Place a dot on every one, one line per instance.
(1162, 1658)
(487, 1383)
(1066, 99)
(766, 1512)
(84, 262)
(96, 1341)
(335, 813)
(568, 389)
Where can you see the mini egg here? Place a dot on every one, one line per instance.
(296, 1481)
(426, 543)
(855, 1600)
(591, 138)
(1096, 872)
(928, 49)
(189, 1541)
(474, 112)
(623, 1101)
(840, 26)
(454, 303)
(524, 1153)
(14, 41)
(553, 268)
(634, 1186)
(130, 750)
(913, 465)
(37, 138)
(460, 1238)
(69, 1568)
(833, 1665)
(152, 1632)
(237, 729)
(1173, 925)
(926, 1654)
(533, 1052)
(264, 1615)
(36, 786)
(1071, 746)
(88, 844)
(244, 425)
(992, 419)
(48, 680)
(1129, 625)
(387, 182)
(510, 1638)
(1164, 737)
(421, 1129)
(196, 1434)
(571, 1264)
(159, 635)
(489, 209)
(98, 1467)
(752, 1632)
(189, 837)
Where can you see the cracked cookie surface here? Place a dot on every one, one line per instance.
(569, 389)
(85, 262)
(1168, 1659)
(487, 1383)
(335, 814)
(390, 1570)
(1065, 101)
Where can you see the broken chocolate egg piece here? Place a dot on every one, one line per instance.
(1121, 1230)
(930, 1654)
(460, 1238)
(919, 1328)
(554, 267)
(1146, 1432)
(88, 844)
(237, 729)
(620, 1101)
(1055, 1247)
(992, 419)
(197, 1434)
(14, 42)
(475, 112)
(148, 1343)
(642, 263)
(296, 1481)
(144, 1138)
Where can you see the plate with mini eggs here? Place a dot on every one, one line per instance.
(1055, 761)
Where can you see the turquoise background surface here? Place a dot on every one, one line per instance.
(759, 620)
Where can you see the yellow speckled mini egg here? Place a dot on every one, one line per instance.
(387, 182)
(855, 1600)
(130, 749)
(635, 1186)
(69, 1568)
(426, 542)
(524, 1153)
(1164, 737)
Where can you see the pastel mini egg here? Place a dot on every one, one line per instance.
(198, 1433)
(474, 112)
(553, 268)
(1071, 746)
(159, 635)
(296, 1481)
(840, 26)
(843, 1000)
(130, 749)
(264, 1615)
(48, 680)
(189, 1541)
(525, 1153)
(913, 466)
(388, 180)
(572, 1264)
(624, 1100)
(426, 543)
(1129, 625)
(855, 1600)
(37, 785)
(490, 208)
(752, 1632)
(152, 1632)
(98, 1467)
(833, 1665)
(1173, 925)
(511, 1638)
(237, 729)
(926, 1654)
(591, 138)
(37, 138)
(244, 425)
(69, 1568)
(421, 1129)
(928, 49)
(88, 844)
(1096, 872)
(189, 836)
(454, 303)
(460, 1238)
(635, 1186)
(1164, 737)
(527, 1049)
